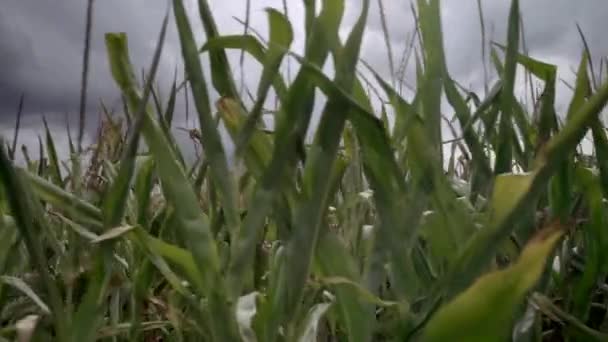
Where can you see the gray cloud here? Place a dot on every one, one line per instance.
(41, 46)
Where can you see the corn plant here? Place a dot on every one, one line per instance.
(371, 231)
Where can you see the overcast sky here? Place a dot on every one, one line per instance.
(41, 45)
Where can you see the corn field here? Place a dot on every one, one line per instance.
(377, 229)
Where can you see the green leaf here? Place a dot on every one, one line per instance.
(221, 73)
(504, 151)
(71, 203)
(169, 111)
(482, 246)
(179, 257)
(89, 314)
(115, 201)
(252, 46)
(482, 176)
(339, 270)
(494, 298)
(143, 186)
(193, 224)
(52, 153)
(8, 241)
(583, 87)
(542, 70)
(259, 150)
(222, 177)
(291, 127)
(13, 148)
(27, 212)
(595, 242)
(281, 36)
(434, 64)
(318, 170)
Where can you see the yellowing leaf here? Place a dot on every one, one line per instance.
(508, 191)
(486, 310)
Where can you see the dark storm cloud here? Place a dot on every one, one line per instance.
(41, 43)
(550, 32)
(41, 49)
(550, 35)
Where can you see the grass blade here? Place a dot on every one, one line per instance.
(17, 127)
(85, 74)
(504, 151)
(53, 159)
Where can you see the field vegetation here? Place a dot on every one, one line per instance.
(377, 229)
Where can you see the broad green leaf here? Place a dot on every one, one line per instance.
(485, 311)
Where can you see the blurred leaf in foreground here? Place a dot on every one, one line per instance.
(486, 310)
